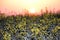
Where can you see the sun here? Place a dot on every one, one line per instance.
(32, 10)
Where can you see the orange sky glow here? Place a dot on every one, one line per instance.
(7, 6)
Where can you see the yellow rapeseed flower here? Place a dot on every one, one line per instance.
(36, 30)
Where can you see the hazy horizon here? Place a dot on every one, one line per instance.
(7, 6)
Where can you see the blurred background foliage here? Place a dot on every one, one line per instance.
(45, 27)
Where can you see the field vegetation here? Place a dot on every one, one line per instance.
(44, 27)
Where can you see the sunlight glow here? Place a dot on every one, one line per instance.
(33, 6)
(32, 10)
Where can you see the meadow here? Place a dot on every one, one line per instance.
(44, 27)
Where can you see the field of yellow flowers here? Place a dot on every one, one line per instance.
(45, 27)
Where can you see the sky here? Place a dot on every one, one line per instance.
(32, 6)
